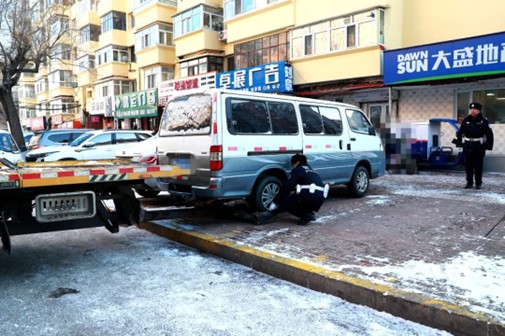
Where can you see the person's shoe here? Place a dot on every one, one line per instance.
(469, 186)
(307, 219)
(263, 217)
(478, 186)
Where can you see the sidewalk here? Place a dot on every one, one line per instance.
(417, 246)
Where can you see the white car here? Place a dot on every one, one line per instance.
(8, 148)
(93, 145)
(143, 152)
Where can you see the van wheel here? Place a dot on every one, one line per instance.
(264, 193)
(360, 181)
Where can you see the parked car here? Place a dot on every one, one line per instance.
(143, 152)
(8, 148)
(55, 137)
(92, 145)
(27, 137)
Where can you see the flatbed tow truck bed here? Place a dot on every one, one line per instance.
(42, 197)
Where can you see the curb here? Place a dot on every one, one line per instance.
(411, 306)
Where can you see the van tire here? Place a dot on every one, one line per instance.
(358, 186)
(264, 193)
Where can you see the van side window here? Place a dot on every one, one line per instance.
(358, 121)
(332, 121)
(311, 119)
(283, 118)
(247, 116)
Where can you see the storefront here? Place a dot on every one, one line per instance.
(440, 80)
(100, 114)
(136, 110)
(169, 88)
(274, 77)
(63, 121)
(38, 124)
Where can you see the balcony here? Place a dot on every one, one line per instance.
(160, 54)
(114, 69)
(116, 37)
(262, 21)
(105, 7)
(204, 39)
(84, 19)
(154, 13)
(61, 91)
(353, 63)
(86, 77)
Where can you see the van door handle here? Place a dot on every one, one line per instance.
(353, 139)
(340, 144)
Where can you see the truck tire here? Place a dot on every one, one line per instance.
(145, 191)
(264, 193)
(360, 181)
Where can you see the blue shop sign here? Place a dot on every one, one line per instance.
(477, 56)
(273, 77)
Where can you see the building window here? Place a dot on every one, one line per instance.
(352, 31)
(90, 33)
(201, 66)
(88, 5)
(113, 20)
(86, 63)
(60, 78)
(59, 26)
(269, 49)
(201, 17)
(236, 7)
(112, 53)
(114, 87)
(154, 76)
(41, 85)
(492, 100)
(159, 34)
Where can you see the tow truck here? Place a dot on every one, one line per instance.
(66, 195)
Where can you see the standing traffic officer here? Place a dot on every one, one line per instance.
(475, 135)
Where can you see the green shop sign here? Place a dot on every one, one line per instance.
(136, 104)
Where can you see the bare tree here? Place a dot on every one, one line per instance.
(29, 35)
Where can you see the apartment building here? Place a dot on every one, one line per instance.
(48, 99)
(132, 55)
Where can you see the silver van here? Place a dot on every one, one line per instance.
(238, 144)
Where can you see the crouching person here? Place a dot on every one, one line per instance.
(301, 195)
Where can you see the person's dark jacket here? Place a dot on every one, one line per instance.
(302, 175)
(474, 128)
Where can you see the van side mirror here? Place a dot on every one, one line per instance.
(371, 130)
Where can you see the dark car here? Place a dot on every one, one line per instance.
(55, 137)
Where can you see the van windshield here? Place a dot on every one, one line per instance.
(187, 115)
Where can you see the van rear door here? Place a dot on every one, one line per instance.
(185, 135)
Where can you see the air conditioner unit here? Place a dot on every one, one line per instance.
(222, 35)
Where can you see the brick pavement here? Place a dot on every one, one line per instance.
(425, 218)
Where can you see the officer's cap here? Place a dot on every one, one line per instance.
(475, 106)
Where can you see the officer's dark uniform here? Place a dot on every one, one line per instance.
(303, 204)
(475, 136)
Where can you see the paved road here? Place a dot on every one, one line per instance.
(91, 282)
(419, 246)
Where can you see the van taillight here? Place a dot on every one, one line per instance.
(216, 157)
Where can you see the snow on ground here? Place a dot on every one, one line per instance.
(469, 279)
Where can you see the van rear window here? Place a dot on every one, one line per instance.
(187, 115)
(250, 116)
